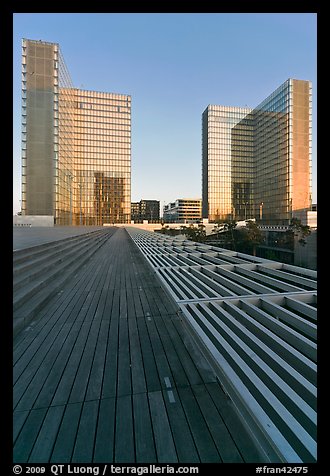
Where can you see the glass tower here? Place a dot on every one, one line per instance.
(76, 144)
(282, 152)
(217, 168)
(257, 163)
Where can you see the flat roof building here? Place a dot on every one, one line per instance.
(183, 210)
(145, 210)
(76, 144)
(257, 162)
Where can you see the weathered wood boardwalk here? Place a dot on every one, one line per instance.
(108, 373)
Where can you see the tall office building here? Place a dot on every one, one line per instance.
(257, 162)
(76, 144)
(218, 124)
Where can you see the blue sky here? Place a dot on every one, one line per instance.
(173, 65)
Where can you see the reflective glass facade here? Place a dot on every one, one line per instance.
(76, 148)
(260, 165)
(39, 127)
(217, 184)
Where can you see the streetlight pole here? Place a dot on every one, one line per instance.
(260, 210)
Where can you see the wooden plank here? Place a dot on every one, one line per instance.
(124, 385)
(165, 447)
(77, 309)
(30, 392)
(144, 440)
(66, 437)
(124, 435)
(26, 341)
(43, 315)
(150, 368)
(95, 297)
(115, 303)
(84, 311)
(184, 443)
(130, 303)
(101, 303)
(139, 312)
(80, 384)
(105, 432)
(134, 268)
(34, 355)
(44, 444)
(159, 353)
(119, 331)
(158, 298)
(123, 303)
(203, 440)
(63, 390)
(94, 388)
(128, 272)
(177, 370)
(168, 305)
(193, 355)
(113, 259)
(106, 315)
(144, 301)
(221, 436)
(55, 373)
(71, 304)
(152, 300)
(109, 387)
(18, 422)
(137, 368)
(84, 446)
(25, 441)
(235, 426)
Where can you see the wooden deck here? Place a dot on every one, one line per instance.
(108, 373)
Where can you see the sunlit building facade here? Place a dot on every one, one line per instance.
(183, 210)
(76, 144)
(218, 124)
(257, 163)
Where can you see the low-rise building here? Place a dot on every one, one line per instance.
(183, 210)
(145, 210)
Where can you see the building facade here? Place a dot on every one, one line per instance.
(257, 162)
(145, 210)
(217, 184)
(183, 210)
(76, 144)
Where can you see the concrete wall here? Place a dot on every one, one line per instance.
(33, 220)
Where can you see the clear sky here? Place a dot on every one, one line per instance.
(173, 65)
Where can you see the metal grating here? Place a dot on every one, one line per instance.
(256, 319)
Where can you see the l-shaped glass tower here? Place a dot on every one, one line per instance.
(76, 144)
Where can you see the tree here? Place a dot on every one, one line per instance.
(164, 229)
(251, 237)
(226, 228)
(300, 232)
(194, 233)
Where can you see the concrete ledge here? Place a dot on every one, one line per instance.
(33, 220)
